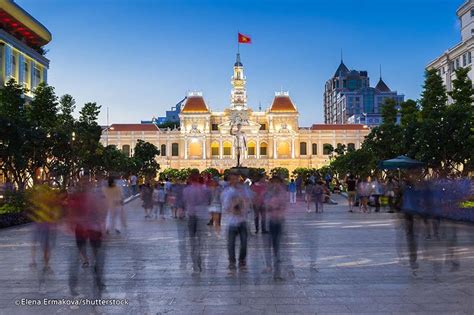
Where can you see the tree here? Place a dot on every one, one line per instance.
(358, 162)
(145, 156)
(340, 149)
(63, 154)
(433, 98)
(389, 112)
(458, 148)
(281, 172)
(172, 174)
(431, 135)
(304, 172)
(213, 172)
(113, 160)
(87, 137)
(42, 115)
(384, 141)
(15, 148)
(410, 124)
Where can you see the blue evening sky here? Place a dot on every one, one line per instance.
(140, 57)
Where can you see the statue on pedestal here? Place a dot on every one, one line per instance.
(240, 142)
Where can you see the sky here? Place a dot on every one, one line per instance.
(140, 57)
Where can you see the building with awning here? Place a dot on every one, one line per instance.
(22, 41)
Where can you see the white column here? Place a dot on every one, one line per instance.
(257, 147)
(293, 148)
(204, 148)
(221, 149)
(275, 155)
(186, 148)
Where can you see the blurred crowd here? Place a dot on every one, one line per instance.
(92, 209)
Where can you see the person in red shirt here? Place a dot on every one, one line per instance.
(259, 188)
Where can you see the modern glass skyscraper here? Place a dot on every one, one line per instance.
(348, 98)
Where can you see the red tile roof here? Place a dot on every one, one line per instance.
(282, 103)
(339, 127)
(195, 104)
(133, 127)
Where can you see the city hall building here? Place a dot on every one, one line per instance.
(273, 137)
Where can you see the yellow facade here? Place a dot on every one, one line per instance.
(273, 136)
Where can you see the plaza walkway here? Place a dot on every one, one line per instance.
(334, 262)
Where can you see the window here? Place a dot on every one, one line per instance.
(163, 150)
(472, 31)
(469, 58)
(215, 149)
(251, 149)
(263, 126)
(303, 148)
(464, 60)
(227, 148)
(174, 149)
(25, 73)
(327, 149)
(314, 149)
(351, 146)
(263, 149)
(13, 65)
(126, 150)
(472, 13)
(457, 63)
(214, 127)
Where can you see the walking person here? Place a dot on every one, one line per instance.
(299, 186)
(364, 190)
(159, 199)
(377, 191)
(114, 200)
(390, 193)
(351, 184)
(235, 202)
(147, 198)
(276, 206)
(87, 215)
(215, 207)
(318, 196)
(196, 198)
(259, 188)
(308, 191)
(292, 190)
(45, 212)
(133, 183)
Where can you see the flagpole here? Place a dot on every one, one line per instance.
(238, 42)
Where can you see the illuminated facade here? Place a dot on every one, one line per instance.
(22, 39)
(274, 137)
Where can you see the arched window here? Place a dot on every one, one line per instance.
(163, 150)
(283, 149)
(215, 148)
(251, 148)
(195, 148)
(327, 149)
(303, 150)
(126, 150)
(175, 149)
(314, 149)
(227, 146)
(351, 147)
(263, 149)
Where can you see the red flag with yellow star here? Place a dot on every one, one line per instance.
(244, 39)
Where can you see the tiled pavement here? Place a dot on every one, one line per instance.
(334, 263)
